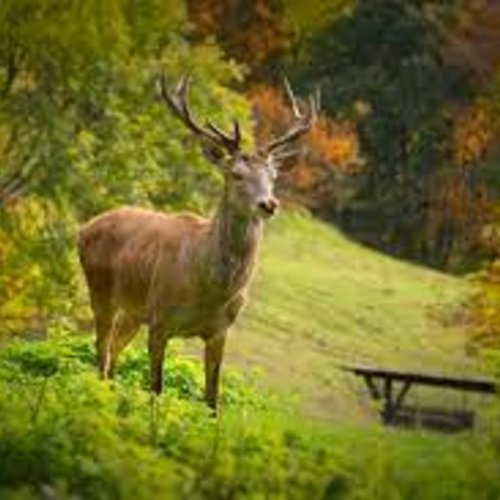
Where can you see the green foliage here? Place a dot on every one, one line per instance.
(306, 17)
(381, 64)
(64, 433)
(64, 355)
(84, 100)
(82, 129)
(483, 309)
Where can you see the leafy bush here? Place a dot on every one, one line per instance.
(66, 434)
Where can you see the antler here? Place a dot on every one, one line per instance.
(178, 104)
(303, 122)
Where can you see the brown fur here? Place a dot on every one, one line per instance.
(182, 275)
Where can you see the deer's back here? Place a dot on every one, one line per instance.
(121, 250)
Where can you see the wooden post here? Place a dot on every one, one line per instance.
(372, 387)
(387, 411)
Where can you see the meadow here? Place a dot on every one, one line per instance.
(392, 139)
(292, 425)
(321, 301)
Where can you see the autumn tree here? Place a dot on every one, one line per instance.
(385, 57)
(82, 130)
(252, 32)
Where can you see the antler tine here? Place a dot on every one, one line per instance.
(185, 112)
(303, 122)
(315, 103)
(289, 136)
(236, 131)
(313, 106)
(166, 96)
(285, 154)
(318, 98)
(231, 142)
(291, 97)
(183, 85)
(178, 104)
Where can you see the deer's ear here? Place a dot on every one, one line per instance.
(213, 154)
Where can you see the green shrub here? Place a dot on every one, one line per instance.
(66, 434)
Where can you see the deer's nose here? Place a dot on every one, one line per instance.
(270, 206)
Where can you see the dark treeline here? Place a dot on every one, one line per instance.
(417, 81)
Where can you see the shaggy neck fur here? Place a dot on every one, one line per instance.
(236, 237)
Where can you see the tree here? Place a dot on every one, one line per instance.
(252, 32)
(385, 56)
(81, 130)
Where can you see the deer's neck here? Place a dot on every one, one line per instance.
(235, 242)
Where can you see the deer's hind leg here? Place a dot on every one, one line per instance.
(100, 287)
(103, 316)
(124, 330)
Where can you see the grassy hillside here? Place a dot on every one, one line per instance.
(320, 300)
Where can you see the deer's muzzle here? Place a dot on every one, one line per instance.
(268, 207)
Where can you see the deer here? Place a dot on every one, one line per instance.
(179, 274)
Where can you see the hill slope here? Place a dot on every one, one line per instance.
(320, 300)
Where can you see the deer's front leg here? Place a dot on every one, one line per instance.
(214, 350)
(157, 343)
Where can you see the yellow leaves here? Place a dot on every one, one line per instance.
(4, 138)
(362, 108)
(455, 202)
(337, 143)
(312, 15)
(484, 306)
(473, 134)
(85, 143)
(485, 316)
(24, 292)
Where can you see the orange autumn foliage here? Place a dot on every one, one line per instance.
(459, 207)
(473, 134)
(327, 154)
(272, 114)
(251, 32)
(302, 176)
(337, 143)
(334, 144)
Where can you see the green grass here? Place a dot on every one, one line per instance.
(65, 434)
(320, 300)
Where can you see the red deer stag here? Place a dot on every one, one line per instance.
(180, 274)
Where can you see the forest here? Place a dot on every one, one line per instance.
(385, 250)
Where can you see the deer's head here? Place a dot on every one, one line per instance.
(249, 175)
